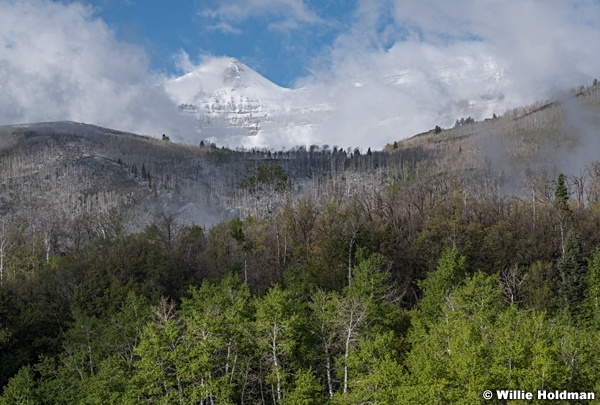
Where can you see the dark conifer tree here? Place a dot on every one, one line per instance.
(561, 195)
(572, 271)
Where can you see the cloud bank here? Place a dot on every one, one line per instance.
(59, 62)
(540, 41)
(395, 67)
(415, 65)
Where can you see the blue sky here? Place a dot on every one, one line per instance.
(281, 42)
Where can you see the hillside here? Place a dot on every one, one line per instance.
(67, 170)
(522, 145)
(329, 276)
(62, 170)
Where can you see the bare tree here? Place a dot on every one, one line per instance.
(6, 244)
(512, 279)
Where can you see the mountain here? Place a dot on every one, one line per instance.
(232, 102)
(234, 105)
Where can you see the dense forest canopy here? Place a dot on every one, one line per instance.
(424, 273)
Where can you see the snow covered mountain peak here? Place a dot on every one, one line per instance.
(220, 74)
(237, 75)
(233, 74)
(229, 100)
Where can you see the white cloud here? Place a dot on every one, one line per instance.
(59, 62)
(225, 28)
(419, 64)
(283, 14)
(541, 41)
(401, 67)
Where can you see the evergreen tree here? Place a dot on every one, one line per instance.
(572, 271)
(307, 390)
(449, 274)
(591, 305)
(561, 195)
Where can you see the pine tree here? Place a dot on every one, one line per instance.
(591, 305)
(561, 201)
(561, 195)
(449, 274)
(572, 272)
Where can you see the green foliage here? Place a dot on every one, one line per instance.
(123, 330)
(21, 388)
(110, 384)
(479, 343)
(328, 309)
(217, 320)
(436, 287)
(540, 287)
(306, 391)
(158, 374)
(572, 270)
(453, 354)
(377, 373)
(591, 305)
(83, 344)
(266, 178)
(279, 322)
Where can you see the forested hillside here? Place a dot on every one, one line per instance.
(456, 261)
